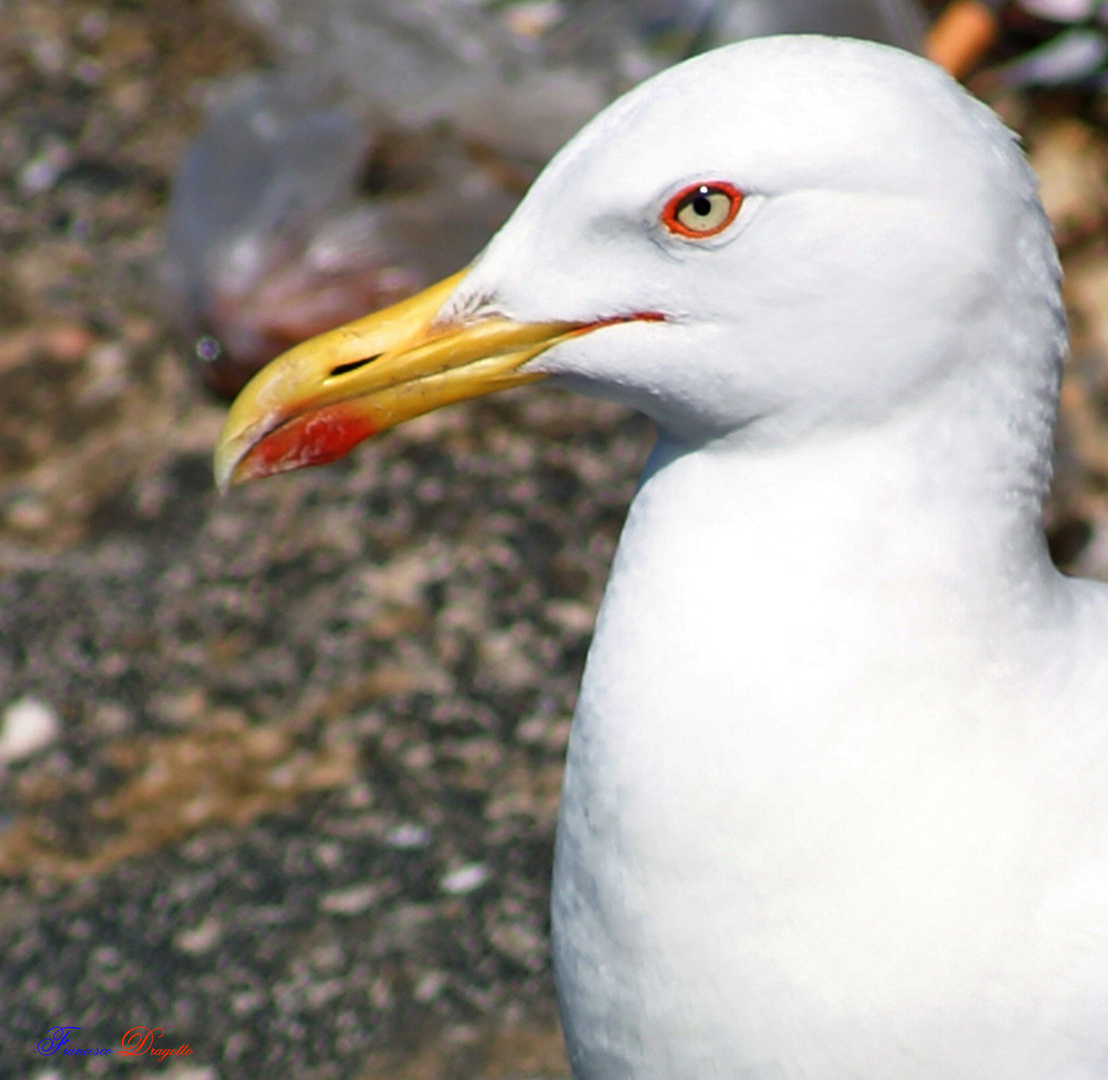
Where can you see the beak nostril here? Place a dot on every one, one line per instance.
(353, 365)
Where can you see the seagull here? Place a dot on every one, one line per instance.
(836, 796)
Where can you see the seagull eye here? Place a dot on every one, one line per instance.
(702, 209)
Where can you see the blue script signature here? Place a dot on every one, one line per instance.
(57, 1038)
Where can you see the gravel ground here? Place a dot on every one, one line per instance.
(297, 808)
(299, 748)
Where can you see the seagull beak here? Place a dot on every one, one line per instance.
(318, 400)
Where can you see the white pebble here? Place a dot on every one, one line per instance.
(429, 987)
(190, 1072)
(465, 879)
(408, 836)
(351, 901)
(27, 726)
(201, 938)
(41, 172)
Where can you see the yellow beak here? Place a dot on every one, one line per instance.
(318, 400)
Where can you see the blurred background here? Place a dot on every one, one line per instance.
(279, 771)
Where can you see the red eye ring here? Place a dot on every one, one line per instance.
(702, 210)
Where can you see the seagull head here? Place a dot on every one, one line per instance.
(782, 236)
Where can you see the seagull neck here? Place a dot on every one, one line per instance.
(887, 509)
(793, 590)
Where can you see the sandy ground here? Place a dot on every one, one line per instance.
(302, 747)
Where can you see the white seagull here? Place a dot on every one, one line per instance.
(836, 799)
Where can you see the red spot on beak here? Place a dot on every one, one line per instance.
(314, 438)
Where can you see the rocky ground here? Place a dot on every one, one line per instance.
(293, 755)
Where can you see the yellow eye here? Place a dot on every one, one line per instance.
(702, 209)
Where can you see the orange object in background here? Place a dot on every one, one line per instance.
(962, 36)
